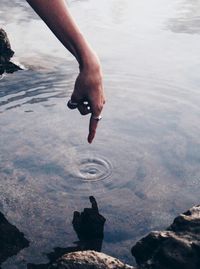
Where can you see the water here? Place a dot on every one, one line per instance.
(143, 167)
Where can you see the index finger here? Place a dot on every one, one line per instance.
(94, 203)
(92, 129)
(93, 123)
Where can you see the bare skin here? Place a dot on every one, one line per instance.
(88, 85)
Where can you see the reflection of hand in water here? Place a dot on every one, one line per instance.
(89, 227)
(89, 224)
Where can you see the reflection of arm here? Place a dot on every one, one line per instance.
(56, 15)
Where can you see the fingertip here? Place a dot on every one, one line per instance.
(89, 139)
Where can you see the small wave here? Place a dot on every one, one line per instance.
(92, 169)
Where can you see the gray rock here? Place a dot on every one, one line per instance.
(89, 260)
(176, 248)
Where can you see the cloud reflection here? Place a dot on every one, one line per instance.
(188, 18)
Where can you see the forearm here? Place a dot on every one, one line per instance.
(88, 86)
(56, 15)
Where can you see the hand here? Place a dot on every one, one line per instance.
(89, 224)
(88, 86)
(89, 94)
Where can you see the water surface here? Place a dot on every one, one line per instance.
(146, 154)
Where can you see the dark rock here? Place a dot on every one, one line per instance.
(6, 53)
(176, 248)
(11, 239)
(37, 266)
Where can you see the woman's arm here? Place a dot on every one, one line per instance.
(88, 85)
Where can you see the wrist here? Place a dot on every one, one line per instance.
(90, 61)
(86, 56)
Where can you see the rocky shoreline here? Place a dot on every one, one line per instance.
(178, 247)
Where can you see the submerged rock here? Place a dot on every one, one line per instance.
(6, 53)
(176, 248)
(89, 260)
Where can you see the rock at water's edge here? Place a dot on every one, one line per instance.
(6, 53)
(176, 248)
(89, 260)
(11, 239)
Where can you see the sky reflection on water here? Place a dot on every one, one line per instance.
(149, 132)
(187, 19)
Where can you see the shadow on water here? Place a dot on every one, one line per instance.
(89, 227)
(11, 239)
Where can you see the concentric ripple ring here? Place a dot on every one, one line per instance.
(93, 169)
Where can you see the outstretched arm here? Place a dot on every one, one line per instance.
(88, 86)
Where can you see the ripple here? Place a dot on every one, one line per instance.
(33, 87)
(92, 169)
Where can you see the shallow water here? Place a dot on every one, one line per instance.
(143, 167)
